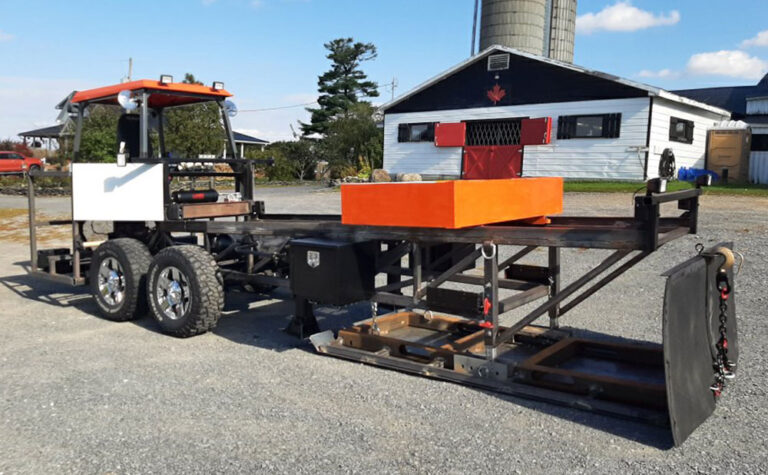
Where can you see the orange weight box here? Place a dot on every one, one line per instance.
(451, 204)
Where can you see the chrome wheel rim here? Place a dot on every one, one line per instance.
(111, 280)
(172, 293)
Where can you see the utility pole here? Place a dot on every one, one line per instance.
(474, 29)
(393, 86)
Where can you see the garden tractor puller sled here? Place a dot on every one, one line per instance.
(143, 248)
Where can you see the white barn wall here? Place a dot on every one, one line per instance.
(573, 158)
(686, 155)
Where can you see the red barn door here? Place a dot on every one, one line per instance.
(495, 161)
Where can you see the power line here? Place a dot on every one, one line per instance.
(278, 108)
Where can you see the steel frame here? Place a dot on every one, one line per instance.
(471, 348)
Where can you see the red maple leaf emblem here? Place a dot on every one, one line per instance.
(496, 94)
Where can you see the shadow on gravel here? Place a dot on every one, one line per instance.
(50, 293)
(646, 434)
(260, 319)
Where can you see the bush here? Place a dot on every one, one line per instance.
(11, 145)
(293, 160)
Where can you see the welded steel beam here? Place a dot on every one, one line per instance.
(509, 334)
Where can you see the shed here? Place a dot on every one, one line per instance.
(242, 140)
(504, 113)
(48, 135)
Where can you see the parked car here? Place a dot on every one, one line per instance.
(13, 162)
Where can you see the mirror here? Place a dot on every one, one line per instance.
(127, 101)
(230, 108)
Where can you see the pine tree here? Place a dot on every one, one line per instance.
(343, 85)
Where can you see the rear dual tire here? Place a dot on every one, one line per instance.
(185, 290)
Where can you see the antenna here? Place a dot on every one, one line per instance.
(130, 71)
(393, 86)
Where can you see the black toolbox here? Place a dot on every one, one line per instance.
(332, 272)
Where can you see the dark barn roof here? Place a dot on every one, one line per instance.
(733, 99)
(529, 79)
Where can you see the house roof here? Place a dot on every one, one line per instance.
(760, 120)
(247, 139)
(53, 132)
(176, 93)
(650, 90)
(732, 98)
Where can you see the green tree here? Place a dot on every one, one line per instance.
(98, 142)
(194, 129)
(343, 85)
(354, 141)
(293, 160)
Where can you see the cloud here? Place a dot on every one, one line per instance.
(29, 103)
(660, 74)
(623, 16)
(735, 64)
(761, 39)
(5, 36)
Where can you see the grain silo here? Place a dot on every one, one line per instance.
(543, 27)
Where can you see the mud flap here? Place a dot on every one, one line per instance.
(690, 320)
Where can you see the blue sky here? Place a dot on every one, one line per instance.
(270, 52)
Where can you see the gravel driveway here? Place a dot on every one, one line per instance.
(81, 394)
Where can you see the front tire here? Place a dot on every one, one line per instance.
(118, 279)
(185, 290)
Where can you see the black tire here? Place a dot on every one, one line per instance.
(193, 306)
(124, 297)
(33, 168)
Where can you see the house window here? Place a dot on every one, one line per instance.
(593, 126)
(493, 132)
(421, 132)
(680, 130)
(759, 143)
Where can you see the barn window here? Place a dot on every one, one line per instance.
(493, 132)
(421, 132)
(592, 126)
(680, 130)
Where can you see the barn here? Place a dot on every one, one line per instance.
(505, 113)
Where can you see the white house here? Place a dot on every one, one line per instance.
(504, 113)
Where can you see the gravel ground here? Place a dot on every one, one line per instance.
(81, 394)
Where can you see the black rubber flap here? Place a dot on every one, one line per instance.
(687, 354)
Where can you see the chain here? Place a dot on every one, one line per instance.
(723, 366)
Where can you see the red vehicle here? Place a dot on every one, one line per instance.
(14, 162)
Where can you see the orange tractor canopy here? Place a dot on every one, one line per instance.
(161, 94)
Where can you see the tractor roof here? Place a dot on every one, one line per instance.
(162, 95)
